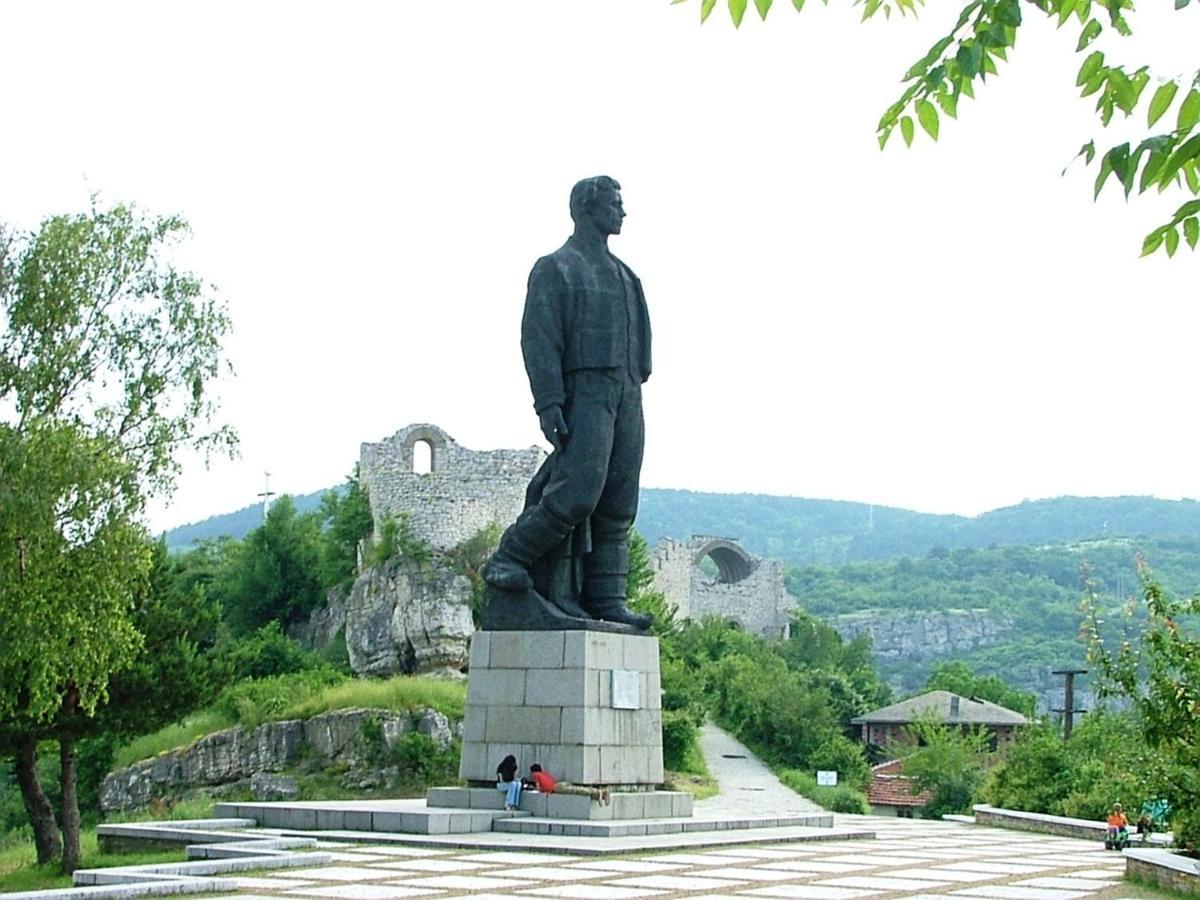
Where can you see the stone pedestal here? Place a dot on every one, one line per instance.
(586, 705)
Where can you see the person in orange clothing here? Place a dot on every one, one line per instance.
(1118, 828)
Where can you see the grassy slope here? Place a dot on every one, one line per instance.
(19, 870)
(291, 697)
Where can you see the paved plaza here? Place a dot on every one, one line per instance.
(909, 858)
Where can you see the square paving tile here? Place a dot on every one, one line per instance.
(1118, 872)
(592, 892)
(883, 883)
(626, 865)
(809, 892)
(270, 884)
(702, 859)
(944, 874)
(814, 865)
(749, 873)
(1014, 892)
(787, 851)
(462, 882)
(999, 868)
(361, 892)
(675, 882)
(345, 856)
(549, 873)
(397, 850)
(432, 865)
(520, 857)
(1067, 884)
(877, 859)
(340, 873)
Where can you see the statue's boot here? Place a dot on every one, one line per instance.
(606, 583)
(535, 533)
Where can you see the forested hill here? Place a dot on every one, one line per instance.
(803, 532)
(806, 532)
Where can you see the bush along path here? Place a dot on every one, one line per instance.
(746, 785)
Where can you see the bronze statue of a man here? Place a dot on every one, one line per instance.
(585, 337)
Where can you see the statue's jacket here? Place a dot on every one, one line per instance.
(567, 327)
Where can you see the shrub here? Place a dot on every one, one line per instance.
(841, 799)
(681, 741)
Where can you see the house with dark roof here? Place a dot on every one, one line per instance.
(885, 726)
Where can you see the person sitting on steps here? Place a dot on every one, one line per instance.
(507, 781)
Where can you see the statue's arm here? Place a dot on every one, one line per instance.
(542, 335)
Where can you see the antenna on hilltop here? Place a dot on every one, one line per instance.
(266, 493)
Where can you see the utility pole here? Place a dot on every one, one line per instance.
(1068, 708)
(266, 494)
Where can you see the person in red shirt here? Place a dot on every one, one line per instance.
(548, 784)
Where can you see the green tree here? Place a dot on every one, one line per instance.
(107, 352)
(347, 517)
(948, 762)
(1156, 667)
(273, 574)
(981, 38)
(958, 678)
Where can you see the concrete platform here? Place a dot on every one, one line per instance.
(405, 816)
(622, 804)
(638, 827)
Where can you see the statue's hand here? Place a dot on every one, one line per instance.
(554, 426)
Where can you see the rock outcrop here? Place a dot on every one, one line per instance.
(408, 617)
(343, 736)
(921, 636)
(399, 617)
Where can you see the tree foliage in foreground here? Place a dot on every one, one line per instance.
(107, 352)
(1168, 158)
(1156, 666)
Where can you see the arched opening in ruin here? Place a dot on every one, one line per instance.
(725, 562)
(422, 457)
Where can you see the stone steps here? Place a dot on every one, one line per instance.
(621, 805)
(635, 827)
(402, 816)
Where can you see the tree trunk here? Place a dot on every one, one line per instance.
(37, 804)
(70, 804)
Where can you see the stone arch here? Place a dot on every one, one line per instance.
(733, 563)
(430, 435)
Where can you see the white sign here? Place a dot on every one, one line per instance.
(827, 779)
(626, 689)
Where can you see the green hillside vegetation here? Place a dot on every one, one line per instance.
(802, 531)
(1036, 589)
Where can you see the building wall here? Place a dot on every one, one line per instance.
(466, 491)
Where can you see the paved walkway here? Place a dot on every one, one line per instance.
(747, 786)
(909, 858)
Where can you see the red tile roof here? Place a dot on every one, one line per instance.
(888, 788)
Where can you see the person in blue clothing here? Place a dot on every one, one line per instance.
(507, 781)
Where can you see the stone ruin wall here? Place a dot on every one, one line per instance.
(748, 589)
(466, 491)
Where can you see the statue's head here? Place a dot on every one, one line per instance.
(598, 199)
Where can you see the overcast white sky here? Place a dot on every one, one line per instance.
(951, 328)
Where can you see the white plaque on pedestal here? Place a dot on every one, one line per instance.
(625, 689)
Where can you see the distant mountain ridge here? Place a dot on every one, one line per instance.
(803, 531)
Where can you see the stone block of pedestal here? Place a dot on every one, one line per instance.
(586, 705)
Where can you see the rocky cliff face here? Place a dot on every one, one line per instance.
(236, 754)
(399, 617)
(923, 636)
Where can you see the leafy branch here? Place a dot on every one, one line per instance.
(983, 35)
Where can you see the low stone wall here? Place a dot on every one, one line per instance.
(1040, 822)
(236, 754)
(1166, 869)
